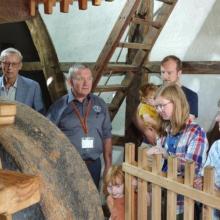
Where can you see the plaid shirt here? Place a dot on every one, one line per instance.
(190, 144)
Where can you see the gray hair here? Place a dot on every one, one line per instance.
(10, 50)
(74, 69)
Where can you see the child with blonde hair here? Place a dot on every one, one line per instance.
(147, 118)
(114, 190)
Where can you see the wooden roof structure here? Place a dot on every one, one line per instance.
(136, 17)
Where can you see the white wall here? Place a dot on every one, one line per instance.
(80, 35)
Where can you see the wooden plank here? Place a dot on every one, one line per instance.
(200, 196)
(48, 6)
(110, 88)
(141, 57)
(7, 109)
(190, 67)
(64, 6)
(136, 46)
(171, 196)
(48, 57)
(120, 95)
(188, 180)
(31, 66)
(32, 7)
(83, 4)
(156, 189)
(18, 191)
(96, 2)
(121, 68)
(129, 192)
(141, 21)
(142, 186)
(114, 38)
(208, 186)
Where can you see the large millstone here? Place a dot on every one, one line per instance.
(39, 147)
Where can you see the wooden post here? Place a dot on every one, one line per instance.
(83, 4)
(171, 196)
(142, 186)
(208, 187)
(188, 180)
(129, 192)
(156, 190)
(96, 2)
(48, 6)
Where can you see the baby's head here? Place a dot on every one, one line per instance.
(114, 182)
(147, 92)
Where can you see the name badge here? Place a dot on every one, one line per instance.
(87, 142)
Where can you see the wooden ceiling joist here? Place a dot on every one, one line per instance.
(190, 67)
(110, 88)
(121, 68)
(136, 46)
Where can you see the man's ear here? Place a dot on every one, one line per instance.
(20, 66)
(179, 73)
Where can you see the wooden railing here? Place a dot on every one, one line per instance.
(146, 173)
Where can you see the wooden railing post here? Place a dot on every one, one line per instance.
(209, 188)
(156, 190)
(171, 196)
(142, 186)
(188, 180)
(129, 191)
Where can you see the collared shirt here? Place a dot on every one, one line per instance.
(99, 125)
(191, 144)
(9, 93)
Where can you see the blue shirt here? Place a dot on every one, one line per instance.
(62, 114)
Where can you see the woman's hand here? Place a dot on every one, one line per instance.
(157, 150)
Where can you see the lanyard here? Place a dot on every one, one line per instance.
(83, 120)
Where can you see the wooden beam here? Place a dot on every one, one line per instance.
(32, 66)
(121, 68)
(190, 67)
(18, 191)
(136, 46)
(48, 56)
(110, 88)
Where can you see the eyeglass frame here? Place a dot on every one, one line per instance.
(160, 107)
(13, 65)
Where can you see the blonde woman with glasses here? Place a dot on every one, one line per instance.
(180, 136)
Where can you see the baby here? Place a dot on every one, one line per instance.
(147, 114)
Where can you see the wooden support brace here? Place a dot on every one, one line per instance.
(83, 4)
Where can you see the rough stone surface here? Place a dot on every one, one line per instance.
(39, 147)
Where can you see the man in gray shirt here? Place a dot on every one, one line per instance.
(84, 119)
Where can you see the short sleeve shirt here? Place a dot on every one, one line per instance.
(98, 122)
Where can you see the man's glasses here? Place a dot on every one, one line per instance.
(160, 107)
(14, 65)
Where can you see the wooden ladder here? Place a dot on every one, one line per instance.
(132, 14)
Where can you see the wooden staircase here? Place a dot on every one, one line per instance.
(135, 15)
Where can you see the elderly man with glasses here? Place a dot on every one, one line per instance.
(16, 87)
